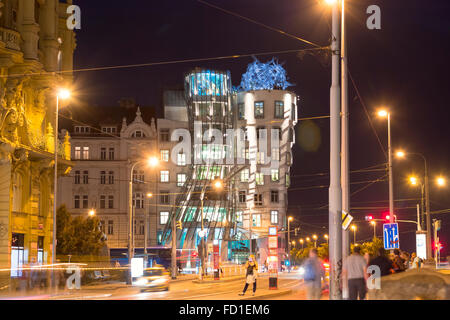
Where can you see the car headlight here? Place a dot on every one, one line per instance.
(159, 281)
(141, 282)
(301, 270)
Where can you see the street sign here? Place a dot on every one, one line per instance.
(346, 220)
(273, 258)
(216, 257)
(391, 237)
(421, 244)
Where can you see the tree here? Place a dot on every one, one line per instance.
(79, 235)
(371, 247)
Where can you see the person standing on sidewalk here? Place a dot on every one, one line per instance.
(314, 272)
(355, 270)
(251, 268)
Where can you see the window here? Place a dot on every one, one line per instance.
(245, 175)
(163, 217)
(85, 202)
(293, 112)
(110, 227)
(76, 202)
(141, 227)
(77, 155)
(279, 132)
(241, 111)
(181, 179)
(256, 220)
(165, 155)
(102, 226)
(85, 177)
(138, 134)
(261, 132)
(242, 196)
(239, 216)
(181, 159)
(275, 175)
(164, 135)
(80, 129)
(138, 200)
(164, 176)
(111, 202)
(259, 110)
(77, 177)
(279, 109)
(109, 129)
(103, 154)
(138, 176)
(102, 177)
(260, 158)
(102, 202)
(275, 154)
(259, 178)
(111, 177)
(274, 196)
(85, 153)
(164, 197)
(274, 217)
(258, 199)
(111, 153)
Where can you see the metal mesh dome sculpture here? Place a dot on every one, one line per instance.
(264, 76)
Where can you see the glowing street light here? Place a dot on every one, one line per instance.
(91, 212)
(218, 184)
(153, 161)
(413, 180)
(326, 237)
(149, 195)
(400, 154)
(353, 227)
(374, 224)
(330, 2)
(308, 239)
(301, 242)
(315, 240)
(383, 113)
(440, 181)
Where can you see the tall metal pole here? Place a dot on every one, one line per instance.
(174, 249)
(391, 179)
(335, 191)
(419, 228)
(130, 221)
(345, 157)
(202, 261)
(55, 182)
(427, 204)
(289, 241)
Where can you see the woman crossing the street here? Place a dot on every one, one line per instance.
(251, 268)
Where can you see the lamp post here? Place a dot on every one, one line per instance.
(326, 238)
(301, 242)
(374, 224)
(289, 239)
(315, 240)
(353, 227)
(62, 94)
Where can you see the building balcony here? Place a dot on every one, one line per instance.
(11, 38)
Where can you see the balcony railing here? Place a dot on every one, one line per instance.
(11, 38)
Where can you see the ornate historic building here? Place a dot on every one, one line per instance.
(35, 44)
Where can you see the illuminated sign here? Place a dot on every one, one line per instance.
(137, 267)
(421, 245)
(272, 231)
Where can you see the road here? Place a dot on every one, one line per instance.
(179, 290)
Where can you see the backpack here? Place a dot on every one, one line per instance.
(310, 271)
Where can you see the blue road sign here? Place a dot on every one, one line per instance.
(391, 238)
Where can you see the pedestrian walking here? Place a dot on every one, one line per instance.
(314, 272)
(415, 261)
(397, 261)
(383, 262)
(251, 268)
(355, 270)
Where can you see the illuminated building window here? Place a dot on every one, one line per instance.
(164, 176)
(259, 110)
(261, 132)
(279, 132)
(181, 159)
(77, 154)
(274, 196)
(85, 153)
(275, 175)
(275, 154)
(181, 179)
(274, 217)
(259, 178)
(256, 220)
(163, 217)
(260, 158)
(279, 109)
(165, 155)
(239, 216)
(245, 175)
(241, 111)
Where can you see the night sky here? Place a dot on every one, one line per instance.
(403, 66)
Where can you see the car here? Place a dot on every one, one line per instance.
(153, 279)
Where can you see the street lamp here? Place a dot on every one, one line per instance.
(62, 94)
(308, 239)
(91, 213)
(374, 224)
(315, 240)
(289, 239)
(353, 227)
(151, 162)
(326, 238)
(301, 242)
(440, 181)
(386, 114)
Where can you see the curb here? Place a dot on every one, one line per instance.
(269, 295)
(218, 281)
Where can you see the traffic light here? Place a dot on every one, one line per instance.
(179, 225)
(369, 218)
